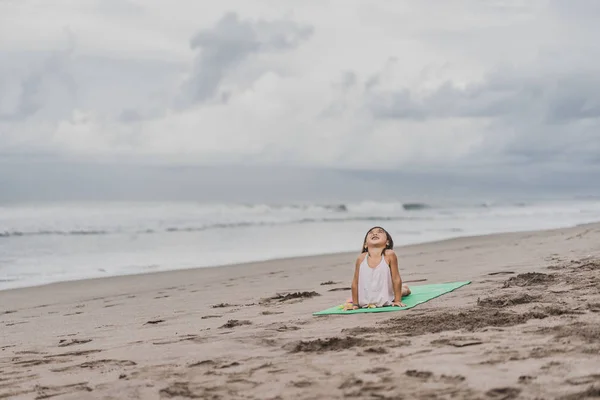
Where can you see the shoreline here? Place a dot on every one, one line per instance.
(250, 264)
(525, 327)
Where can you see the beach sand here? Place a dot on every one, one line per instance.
(528, 326)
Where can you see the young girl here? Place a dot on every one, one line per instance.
(377, 281)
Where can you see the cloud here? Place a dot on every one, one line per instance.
(43, 83)
(522, 116)
(230, 42)
(488, 85)
(501, 94)
(24, 102)
(119, 7)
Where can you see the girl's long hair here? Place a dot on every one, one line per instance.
(390, 244)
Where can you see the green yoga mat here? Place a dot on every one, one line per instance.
(419, 294)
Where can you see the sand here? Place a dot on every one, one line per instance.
(528, 326)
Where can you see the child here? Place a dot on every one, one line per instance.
(377, 281)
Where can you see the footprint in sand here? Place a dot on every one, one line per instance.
(74, 353)
(45, 392)
(594, 307)
(97, 364)
(271, 312)
(262, 366)
(207, 363)
(340, 289)
(289, 296)
(328, 344)
(222, 305)
(525, 379)
(302, 384)
(507, 300)
(232, 323)
(72, 342)
(184, 338)
(413, 373)
(214, 364)
(179, 389)
(154, 322)
(75, 313)
(457, 342)
(285, 328)
(355, 387)
(426, 375)
(229, 365)
(376, 350)
(504, 393)
(590, 393)
(452, 378)
(377, 370)
(529, 279)
(584, 380)
(32, 363)
(17, 323)
(188, 390)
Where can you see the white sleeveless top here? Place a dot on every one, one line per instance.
(375, 284)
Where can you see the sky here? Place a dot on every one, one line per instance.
(499, 90)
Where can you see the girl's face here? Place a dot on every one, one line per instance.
(376, 237)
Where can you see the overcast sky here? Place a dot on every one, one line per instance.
(370, 85)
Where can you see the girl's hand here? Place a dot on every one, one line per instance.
(398, 304)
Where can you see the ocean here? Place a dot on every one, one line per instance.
(52, 242)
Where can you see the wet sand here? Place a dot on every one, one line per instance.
(527, 327)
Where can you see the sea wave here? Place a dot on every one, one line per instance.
(6, 234)
(200, 228)
(146, 219)
(366, 206)
(415, 206)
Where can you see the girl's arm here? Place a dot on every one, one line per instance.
(355, 282)
(396, 278)
(354, 304)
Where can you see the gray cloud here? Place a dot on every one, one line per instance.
(141, 81)
(49, 85)
(524, 118)
(504, 94)
(129, 115)
(578, 10)
(26, 104)
(229, 43)
(119, 7)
